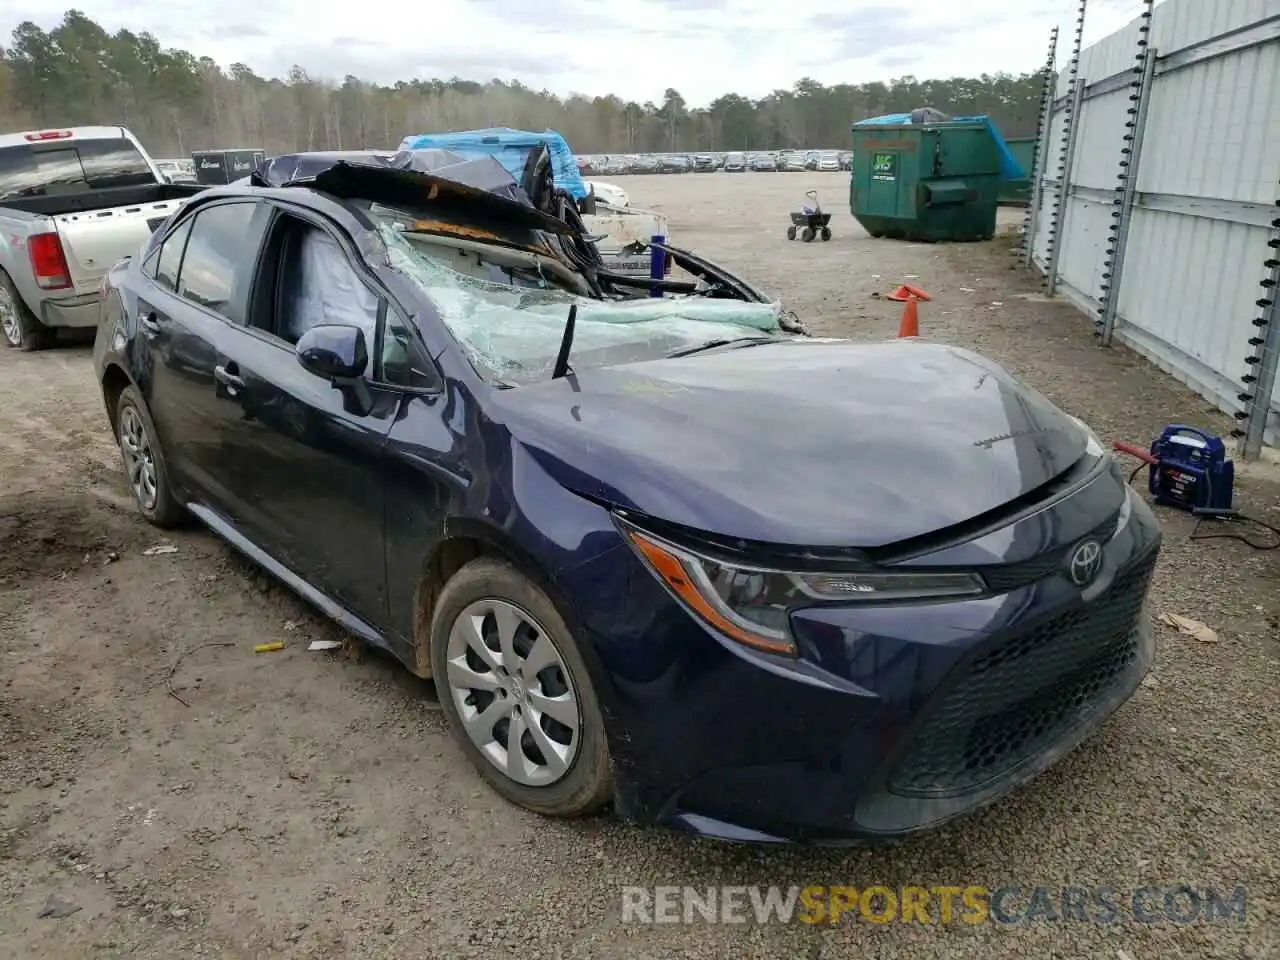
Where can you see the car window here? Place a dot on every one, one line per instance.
(219, 258)
(513, 332)
(320, 286)
(401, 363)
(170, 257)
(18, 176)
(115, 162)
(59, 170)
(71, 167)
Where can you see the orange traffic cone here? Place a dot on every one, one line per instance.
(906, 291)
(910, 296)
(910, 325)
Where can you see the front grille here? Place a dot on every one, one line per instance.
(1019, 696)
(1004, 578)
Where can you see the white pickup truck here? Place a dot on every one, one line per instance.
(72, 203)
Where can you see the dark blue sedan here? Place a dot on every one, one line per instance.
(656, 547)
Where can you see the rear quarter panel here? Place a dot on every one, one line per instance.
(15, 227)
(111, 341)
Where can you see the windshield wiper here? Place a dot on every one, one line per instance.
(566, 342)
(735, 342)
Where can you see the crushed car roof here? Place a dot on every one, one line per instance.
(413, 178)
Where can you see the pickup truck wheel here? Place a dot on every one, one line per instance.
(516, 692)
(144, 464)
(20, 326)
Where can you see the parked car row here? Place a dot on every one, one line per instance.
(177, 170)
(731, 162)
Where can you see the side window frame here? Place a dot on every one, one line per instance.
(151, 265)
(152, 259)
(416, 347)
(266, 271)
(387, 304)
(242, 285)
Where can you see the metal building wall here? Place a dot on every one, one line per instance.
(1208, 182)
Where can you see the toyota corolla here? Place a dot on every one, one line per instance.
(655, 546)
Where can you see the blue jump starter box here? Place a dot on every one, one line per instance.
(1194, 473)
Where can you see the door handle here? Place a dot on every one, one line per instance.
(150, 326)
(229, 377)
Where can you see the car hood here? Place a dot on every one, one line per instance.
(803, 442)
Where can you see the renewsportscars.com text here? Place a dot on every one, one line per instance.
(937, 905)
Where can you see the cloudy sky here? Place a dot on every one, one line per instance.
(634, 48)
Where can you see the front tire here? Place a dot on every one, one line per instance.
(19, 325)
(506, 665)
(144, 462)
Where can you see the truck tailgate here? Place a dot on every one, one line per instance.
(625, 234)
(96, 239)
(625, 227)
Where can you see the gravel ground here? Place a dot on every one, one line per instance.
(311, 805)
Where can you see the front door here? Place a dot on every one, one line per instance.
(304, 472)
(302, 468)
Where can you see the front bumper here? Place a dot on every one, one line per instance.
(896, 718)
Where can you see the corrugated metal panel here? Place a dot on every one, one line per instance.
(1191, 277)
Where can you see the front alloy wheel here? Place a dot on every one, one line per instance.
(517, 693)
(512, 692)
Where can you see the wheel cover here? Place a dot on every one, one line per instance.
(139, 459)
(9, 318)
(511, 688)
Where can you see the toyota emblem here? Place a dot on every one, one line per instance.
(1085, 562)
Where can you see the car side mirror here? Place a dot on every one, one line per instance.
(337, 352)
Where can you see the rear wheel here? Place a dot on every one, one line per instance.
(791, 232)
(144, 462)
(19, 325)
(517, 693)
(826, 234)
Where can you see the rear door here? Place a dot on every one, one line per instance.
(154, 368)
(184, 321)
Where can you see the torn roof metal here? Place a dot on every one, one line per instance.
(477, 191)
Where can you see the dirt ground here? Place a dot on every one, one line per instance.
(311, 804)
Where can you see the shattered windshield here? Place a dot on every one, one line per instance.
(512, 332)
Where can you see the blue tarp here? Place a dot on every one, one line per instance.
(1010, 168)
(509, 147)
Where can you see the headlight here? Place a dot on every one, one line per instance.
(751, 605)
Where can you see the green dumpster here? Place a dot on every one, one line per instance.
(927, 181)
(1017, 193)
